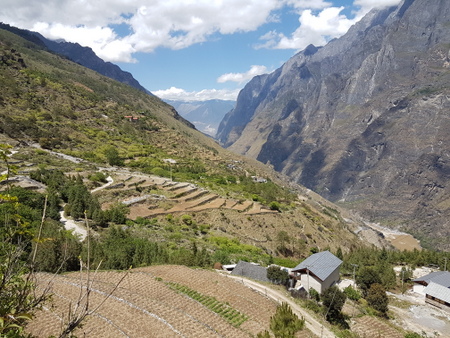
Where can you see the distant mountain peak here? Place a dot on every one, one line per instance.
(362, 119)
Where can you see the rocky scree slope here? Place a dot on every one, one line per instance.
(363, 120)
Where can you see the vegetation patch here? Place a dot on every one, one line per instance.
(224, 310)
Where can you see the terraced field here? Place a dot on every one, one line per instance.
(180, 197)
(159, 301)
(371, 327)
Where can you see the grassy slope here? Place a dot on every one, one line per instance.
(52, 101)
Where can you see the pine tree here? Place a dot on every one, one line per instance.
(284, 323)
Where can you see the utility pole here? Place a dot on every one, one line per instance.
(354, 272)
(445, 264)
(403, 277)
(307, 271)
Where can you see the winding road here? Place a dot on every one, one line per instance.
(70, 224)
(312, 324)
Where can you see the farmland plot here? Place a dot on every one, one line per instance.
(146, 304)
(258, 308)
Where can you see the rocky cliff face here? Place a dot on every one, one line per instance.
(364, 120)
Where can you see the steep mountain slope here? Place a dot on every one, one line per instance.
(363, 120)
(85, 56)
(52, 103)
(205, 115)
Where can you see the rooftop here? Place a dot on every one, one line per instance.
(438, 291)
(321, 264)
(438, 277)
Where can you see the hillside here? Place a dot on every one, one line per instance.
(153, 196)
(50, 103)
(85, 56)
(363, 120)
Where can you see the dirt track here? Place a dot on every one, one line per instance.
(312, 324)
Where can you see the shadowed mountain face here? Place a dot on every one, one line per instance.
(363, 120)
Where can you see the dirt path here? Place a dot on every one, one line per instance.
(311, 323)
(70, 224)
(421, 317)
(109, 180)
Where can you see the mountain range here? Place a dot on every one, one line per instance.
(363, 120)
(205, 115)
(84, 56)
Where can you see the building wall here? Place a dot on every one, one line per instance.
(317, 284)
(418, 288)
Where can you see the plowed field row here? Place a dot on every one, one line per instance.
(145, 306)
(145, 285)
(371, 327)
(258, 309)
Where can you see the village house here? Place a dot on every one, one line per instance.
(438, 295)
(438, 277)
(319, 271)
(436, 288)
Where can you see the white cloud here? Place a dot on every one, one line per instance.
(174, 93)
(176, 24)
(311, 4)
(243, 77)
(367, 5)
(173, 24)
(318, 29)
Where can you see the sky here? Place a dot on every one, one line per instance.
(191, 50)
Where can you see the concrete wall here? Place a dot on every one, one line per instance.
(316, 284)
(418, 288)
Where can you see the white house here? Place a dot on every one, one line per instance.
(437, 295)
(319, 271)
(438, 277)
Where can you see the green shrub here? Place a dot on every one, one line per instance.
(352, 293)
(274, 206)
(284, 323)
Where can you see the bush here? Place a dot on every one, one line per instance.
(276, 275)
(377, 298)
(274, 206)
(284, 323)
(98, 177)
(314, 294)
(352, 293)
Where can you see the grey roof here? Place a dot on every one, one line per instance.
(438, 291)
(438, 277)
(321, 264)
(250, 270)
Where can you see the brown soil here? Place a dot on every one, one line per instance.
(144, 305)
(186, 197)
(371, 327)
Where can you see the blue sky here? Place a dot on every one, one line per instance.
(191, 49)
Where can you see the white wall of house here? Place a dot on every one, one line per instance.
(418, 288)
(317, 284)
